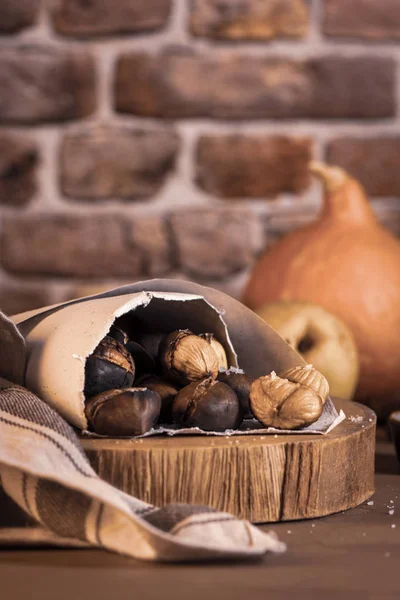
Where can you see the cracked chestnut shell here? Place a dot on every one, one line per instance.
(279, 403)
(167, 391)
(209, 405)
(218, 349)
(310, 377)
(118, 334)
(186, 357)
(131, 411)
(109, 366)
(241, 384)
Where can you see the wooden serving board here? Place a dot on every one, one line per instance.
(258, 477)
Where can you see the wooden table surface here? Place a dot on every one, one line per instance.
(354, 555)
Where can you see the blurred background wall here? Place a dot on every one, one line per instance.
(170, 138)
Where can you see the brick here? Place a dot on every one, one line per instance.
(100, 17)
(86, 245)
(286, 220)
(179, 84)
(234, 166)
(40, 84)
(105, 162)
(16, 298)
(363, 19)
(16, 15)
(249, 19)
(18, 162)
(375, 162)
(215, 243)
(151, 237)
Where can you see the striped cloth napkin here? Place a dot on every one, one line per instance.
(44, 469)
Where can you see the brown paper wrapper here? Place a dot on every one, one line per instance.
(60, 338)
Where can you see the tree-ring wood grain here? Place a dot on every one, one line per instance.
(258, 477)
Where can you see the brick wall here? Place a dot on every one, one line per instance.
(146, 138)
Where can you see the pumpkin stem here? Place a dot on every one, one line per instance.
(345, 198)
(332, 177)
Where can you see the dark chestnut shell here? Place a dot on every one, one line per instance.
(118, 334)
(128, 412)
(109, 367)
(167, 390)
(241, 384)
(209, 405)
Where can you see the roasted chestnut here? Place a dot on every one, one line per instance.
(109, 367)
(218, 349)
(240, 383)
(209, 405)
(128, 412)
(118, 334)
(277, 402)
(186, 357)
(167, 391)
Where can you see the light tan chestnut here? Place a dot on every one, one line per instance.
(310, 377)
(218, 349)
(277, 402)
(186, 357)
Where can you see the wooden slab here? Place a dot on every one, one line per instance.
(259, 477)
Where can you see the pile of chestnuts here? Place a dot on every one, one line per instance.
(182, 379)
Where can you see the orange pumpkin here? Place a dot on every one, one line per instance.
(348, 263)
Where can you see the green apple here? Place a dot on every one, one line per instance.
(320, 338)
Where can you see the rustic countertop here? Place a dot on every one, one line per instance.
(349, 555)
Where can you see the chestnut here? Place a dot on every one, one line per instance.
(209, 405)
(110, 366)
(280, 403)
(240, 383)
(218, 349)
(186, 357)
(131, 411)
(167, 391)
(118, 334)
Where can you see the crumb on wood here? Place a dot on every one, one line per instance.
(357, 419)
